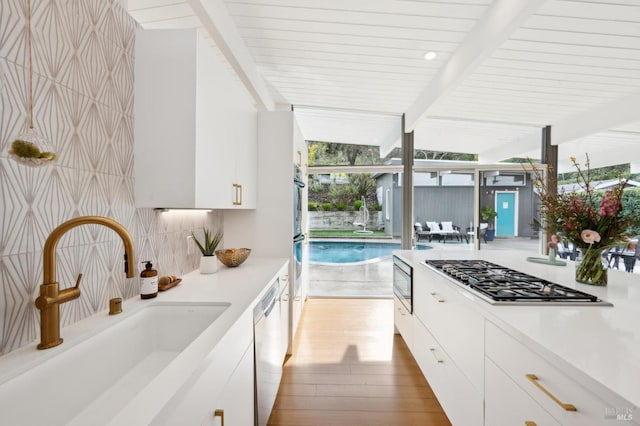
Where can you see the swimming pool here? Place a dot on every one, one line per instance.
(351, 251)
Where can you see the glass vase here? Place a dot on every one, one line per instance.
(591, 267)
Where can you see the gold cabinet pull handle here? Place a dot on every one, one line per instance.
(534, 379)
(438, 298)
(530, 423)
(237, 194)
(219, 413)
(433, 352)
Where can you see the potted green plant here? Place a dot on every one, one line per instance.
(488, 214)
(208, 261)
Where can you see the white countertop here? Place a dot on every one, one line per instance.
(240, 287)
(602, 343)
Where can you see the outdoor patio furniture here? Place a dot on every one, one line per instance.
(567, 250)
(629, 253)
(434, 230)
(471, 233)
(450, 231)
(421, 233)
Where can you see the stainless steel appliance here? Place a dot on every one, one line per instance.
(403, 283)
(500, 285)
(298, 238)
(268, 334)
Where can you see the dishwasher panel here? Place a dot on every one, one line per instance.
(268, 352)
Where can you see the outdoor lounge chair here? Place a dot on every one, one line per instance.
(449, 231)
(421, 233)
(434, 230)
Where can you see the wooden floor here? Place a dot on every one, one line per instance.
(348, 368)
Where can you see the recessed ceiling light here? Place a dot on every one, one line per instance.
(430, 56)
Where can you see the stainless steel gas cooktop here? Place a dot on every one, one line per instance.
(504, 286)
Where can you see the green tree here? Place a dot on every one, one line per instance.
(362, 185)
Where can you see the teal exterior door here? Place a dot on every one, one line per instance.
(506, 207)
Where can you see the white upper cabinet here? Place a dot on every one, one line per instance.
(195, 126)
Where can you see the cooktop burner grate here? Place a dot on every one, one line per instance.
(500, 285)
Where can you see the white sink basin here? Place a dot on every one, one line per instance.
(89, 380)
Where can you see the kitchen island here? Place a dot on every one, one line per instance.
(488, 364)
(97, 375)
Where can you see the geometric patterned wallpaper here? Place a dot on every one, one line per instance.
(83, 104)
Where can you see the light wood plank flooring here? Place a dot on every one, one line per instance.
(348, 368)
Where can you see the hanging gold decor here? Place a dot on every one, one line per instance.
(31, 148)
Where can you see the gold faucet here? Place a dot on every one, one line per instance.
(51, 297)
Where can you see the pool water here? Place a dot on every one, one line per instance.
(351, 252)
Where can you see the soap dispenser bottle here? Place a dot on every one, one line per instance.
(148, 281)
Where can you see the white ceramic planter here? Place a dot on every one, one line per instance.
(208, 264)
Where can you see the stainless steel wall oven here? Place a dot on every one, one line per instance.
(403, 283)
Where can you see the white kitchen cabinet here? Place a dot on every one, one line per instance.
(403, 321)
(195, 126)
(507, 404)
(223, 382)
(453, 321)
(570, 400)
(269, 229)
(461, 401)
(235, 404)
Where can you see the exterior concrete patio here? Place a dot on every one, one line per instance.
(374, 279)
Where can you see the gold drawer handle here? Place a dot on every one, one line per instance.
(219, 413)
(534, 379)
(237, 194)
(433, 352)
(530, 423)
(438, 298)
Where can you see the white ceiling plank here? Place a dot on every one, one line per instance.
(350, 17)
(217, 21)
(597, 120)
(593, 10)
(316, 64)
(359, 52)
(552, 74)
(331, 72)
(568, 49)
(255, 35)
(577, 39)
(582, 25)
(536, 84)
(563, 59)
(468, 10)
(496, 25)
(541, 89)
(328, 57)
(568, 70)
(296, 77)
(349, 29)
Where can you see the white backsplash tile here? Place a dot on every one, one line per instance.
(83, 102)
